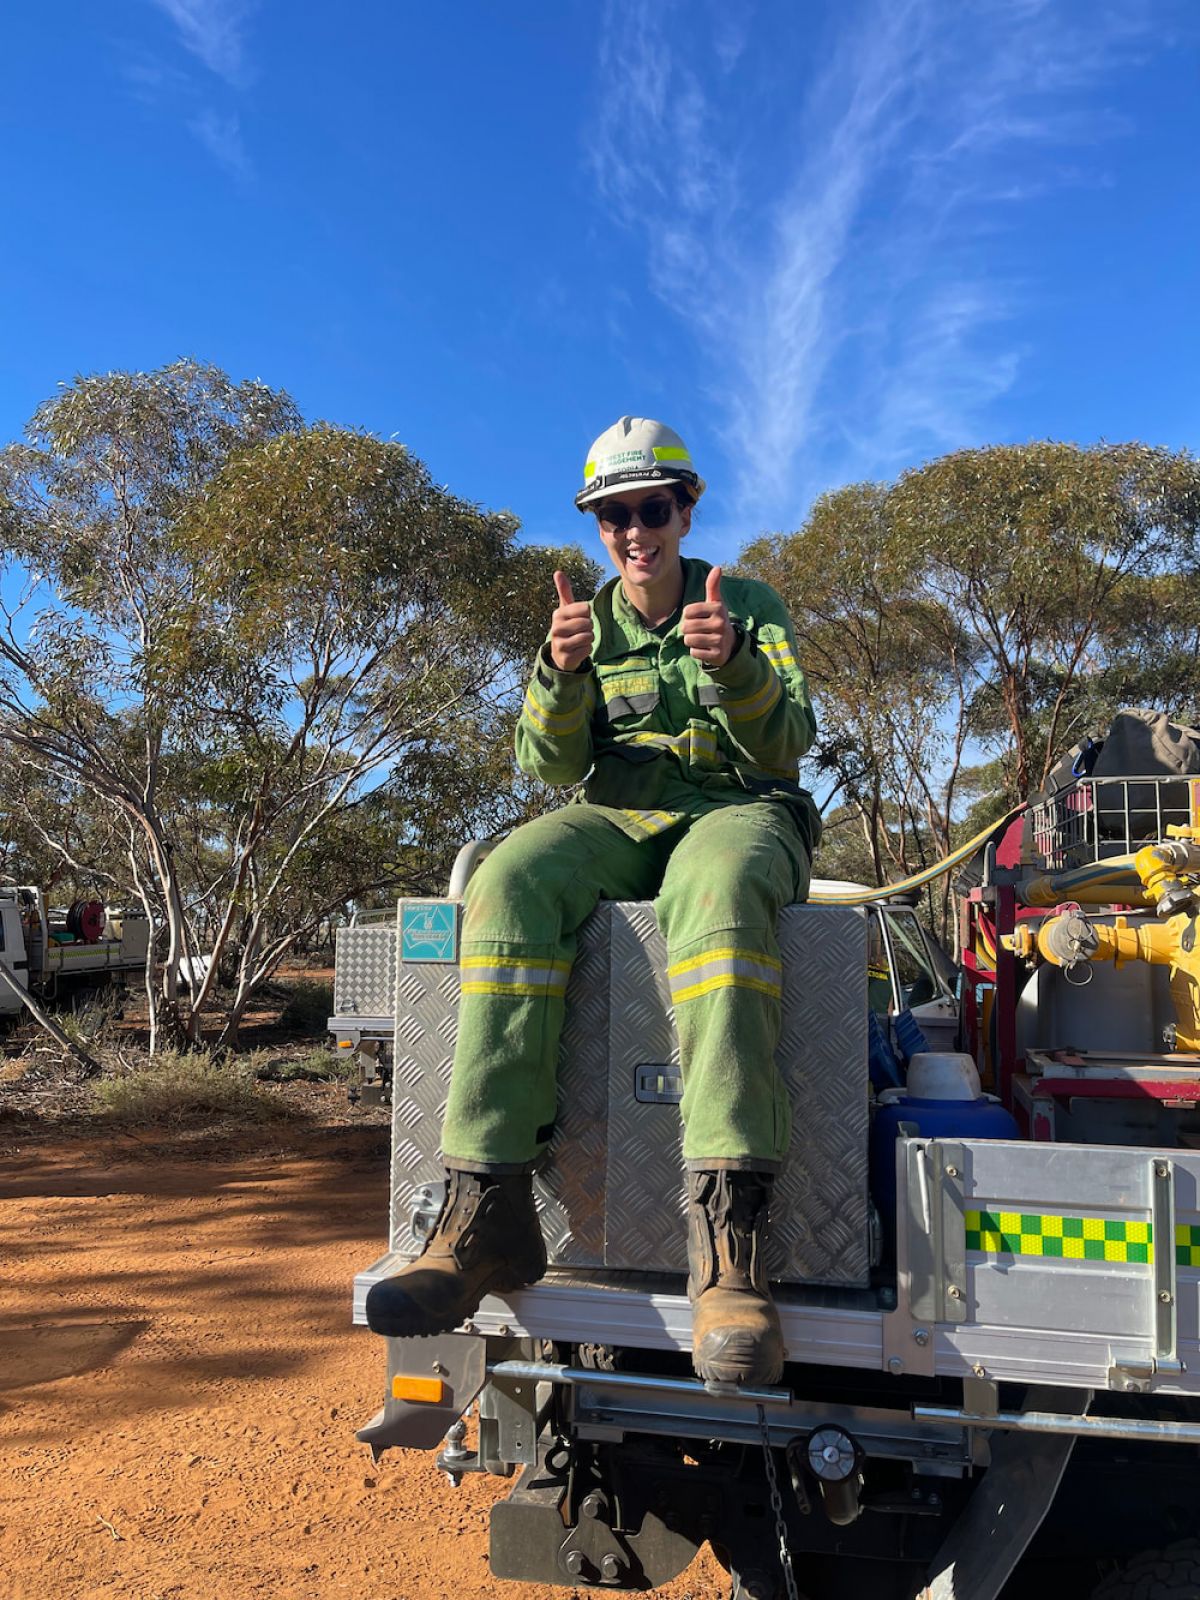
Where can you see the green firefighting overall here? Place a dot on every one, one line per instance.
(691, 794)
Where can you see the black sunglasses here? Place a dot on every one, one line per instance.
(652, 513)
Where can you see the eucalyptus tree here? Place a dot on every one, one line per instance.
(100, 604)
(1046, 552)
(374, 634)
(965, 624)
(240, 638)
(890, 670)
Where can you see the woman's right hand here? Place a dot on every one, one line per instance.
(570, 628)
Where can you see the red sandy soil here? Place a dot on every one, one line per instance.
(180, 1381)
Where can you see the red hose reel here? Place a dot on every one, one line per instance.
(85, 919)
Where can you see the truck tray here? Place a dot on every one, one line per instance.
(1016, 1262)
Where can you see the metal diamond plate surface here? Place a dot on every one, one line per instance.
(819, 1229)
(364, 971)
(611, 1191)
(426, 1001)
(570, 1191)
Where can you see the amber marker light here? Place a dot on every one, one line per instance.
(429, 1390)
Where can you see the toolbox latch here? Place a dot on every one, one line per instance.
(657, 1083)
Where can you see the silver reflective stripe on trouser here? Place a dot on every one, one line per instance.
(487, 975)
(725, 968)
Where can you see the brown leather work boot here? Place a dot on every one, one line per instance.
(736, 1336)
(486, 1239)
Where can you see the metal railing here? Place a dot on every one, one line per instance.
(1095, 819)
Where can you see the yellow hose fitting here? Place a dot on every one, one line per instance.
(1162, 867)
(1072, 938)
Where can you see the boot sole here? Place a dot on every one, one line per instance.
(727, 1385)
(410, 1320)
(728, 1380)
(737, 1362)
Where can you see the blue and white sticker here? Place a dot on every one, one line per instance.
(429, 930)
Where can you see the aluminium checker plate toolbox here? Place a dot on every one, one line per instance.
(364, 970)
(611, 1192)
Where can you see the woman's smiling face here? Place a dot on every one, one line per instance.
(643, 555)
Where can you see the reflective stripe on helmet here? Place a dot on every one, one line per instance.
(635, 453)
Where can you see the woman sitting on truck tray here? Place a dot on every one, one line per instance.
(676, 698)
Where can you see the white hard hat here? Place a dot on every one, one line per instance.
(636, 453)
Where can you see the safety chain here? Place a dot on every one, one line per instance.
(781, 1532)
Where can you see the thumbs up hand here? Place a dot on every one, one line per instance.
(705, 626)
(570, 627)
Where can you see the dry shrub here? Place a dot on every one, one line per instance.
(178, 1086)
(319, 1064)
(308, 1006)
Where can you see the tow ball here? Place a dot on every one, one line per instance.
(834, 1459)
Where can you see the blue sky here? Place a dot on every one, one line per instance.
(824, 239)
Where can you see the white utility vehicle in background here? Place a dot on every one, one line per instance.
(51, 952)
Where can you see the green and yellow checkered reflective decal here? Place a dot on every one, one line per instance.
(1025, 1233)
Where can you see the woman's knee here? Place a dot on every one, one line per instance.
(728, 888)
(529, 885)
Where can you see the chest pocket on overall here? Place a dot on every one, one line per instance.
(629, 689)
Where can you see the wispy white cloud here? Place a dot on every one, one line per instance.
(213, 30)
(832, 261)
(221, 136)
(731, 32)
(151, 81)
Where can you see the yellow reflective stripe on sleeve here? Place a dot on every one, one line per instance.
(725, 980)
(778, 653)
(755, 705)
(558, 723)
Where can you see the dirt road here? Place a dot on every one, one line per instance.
(179, 1383)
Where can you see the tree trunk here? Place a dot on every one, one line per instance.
(91, 1067)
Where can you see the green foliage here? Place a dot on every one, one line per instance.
(255, 669)
(963, 626)
(319, 1064)
(308, 1006)
(1044, 550)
